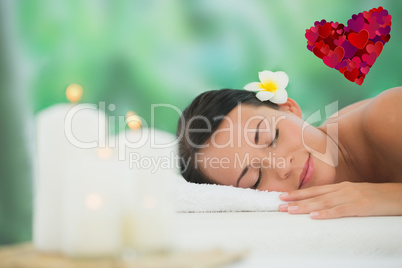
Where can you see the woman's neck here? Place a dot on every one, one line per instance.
(354, 162)
(340, 157)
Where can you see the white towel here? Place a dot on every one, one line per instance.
(192, 197)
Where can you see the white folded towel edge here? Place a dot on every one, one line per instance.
(193, 197)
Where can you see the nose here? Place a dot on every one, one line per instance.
(284, 170)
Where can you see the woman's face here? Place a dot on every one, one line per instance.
(267, 149)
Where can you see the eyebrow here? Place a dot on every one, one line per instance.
(257, 132)
(242, 174)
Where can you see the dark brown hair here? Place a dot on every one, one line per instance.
(206, 113)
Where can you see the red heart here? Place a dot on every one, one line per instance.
(340, 40)
(352, 64)
(319, 44)
(343, 69)
(332, 60)
(325, 49)
(311, 36)
(318, 52)
(340, 52)
(359, 40)
(376, 48)
(365, 70)
(379, 9)
(324, 30)
(356, 62)
(385, 38)
(370, 59)
(359, 80)
(351, 75)
(352, 50)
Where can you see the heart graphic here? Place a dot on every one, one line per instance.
(352, 50)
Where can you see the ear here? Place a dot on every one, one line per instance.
(291, 106)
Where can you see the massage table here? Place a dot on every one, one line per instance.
(278, 239)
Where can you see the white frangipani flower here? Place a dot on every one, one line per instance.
(272, 86)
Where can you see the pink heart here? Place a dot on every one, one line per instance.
(365, 70)
(340, 40)
(311, 36)
(331, 61)
(357, 61)
(376, 48)
(370, 59)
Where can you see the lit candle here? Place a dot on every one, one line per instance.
(150, 221)
(92, 207)
(133, 120)
(74, 92)
(61, 130)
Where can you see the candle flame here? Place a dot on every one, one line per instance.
(105, 152)
(133, 120)
(74, 92)
(93, 201)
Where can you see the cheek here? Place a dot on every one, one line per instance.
(312, 139)
(325, 174)
(292, 136)
(283, 186)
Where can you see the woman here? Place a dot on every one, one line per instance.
(349, 166)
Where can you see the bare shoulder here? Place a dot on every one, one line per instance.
(369, 134)
(346, 111)
(382, 124)
(384, 110)
(381, 100)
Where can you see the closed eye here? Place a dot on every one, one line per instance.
(275, 138)
(258, 181)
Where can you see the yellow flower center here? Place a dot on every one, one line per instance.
(270, 86)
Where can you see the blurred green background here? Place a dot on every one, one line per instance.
(134, 53)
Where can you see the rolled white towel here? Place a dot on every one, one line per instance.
(192, 197)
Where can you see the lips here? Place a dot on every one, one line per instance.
(307, 172)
